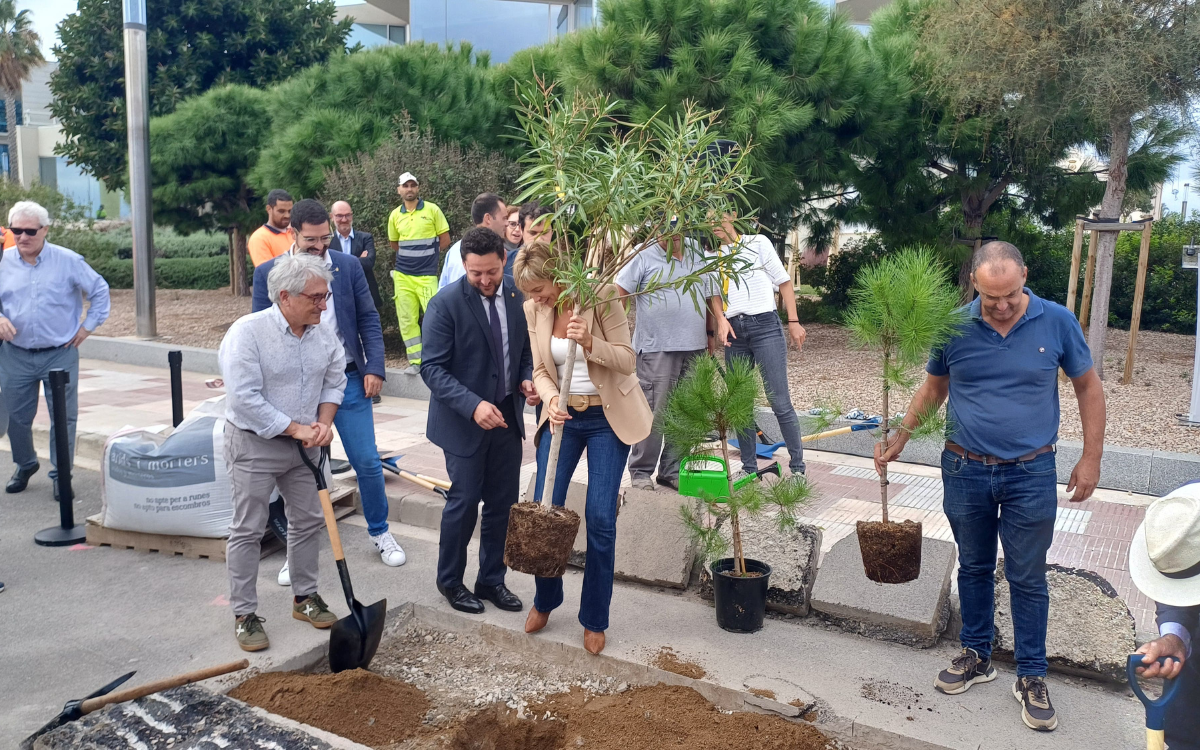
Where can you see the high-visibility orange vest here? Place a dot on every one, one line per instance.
(10, 239)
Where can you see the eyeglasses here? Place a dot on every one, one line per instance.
(343, 216)
(30, 232)
(318, 240)
(513, 224)
(316, 299)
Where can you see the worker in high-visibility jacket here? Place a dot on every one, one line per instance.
(418, 232)
(10, 239)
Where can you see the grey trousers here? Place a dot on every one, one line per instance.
(21, 371)
(256, 465)
(658, 372)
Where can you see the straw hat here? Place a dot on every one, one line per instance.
(1164, 558)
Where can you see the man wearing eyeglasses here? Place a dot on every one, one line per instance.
(352, 314)
(42, 287)
(489, 212)
(356, 242)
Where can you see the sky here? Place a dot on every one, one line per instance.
(48, 13)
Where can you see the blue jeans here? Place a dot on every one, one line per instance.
(21, 371)
(606, 464)
(1018, 502)
(760, 339)
(356, 427)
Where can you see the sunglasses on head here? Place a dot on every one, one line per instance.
(30, 232)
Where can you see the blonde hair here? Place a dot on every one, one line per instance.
(534, 263)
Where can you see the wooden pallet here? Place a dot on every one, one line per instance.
(197, 548)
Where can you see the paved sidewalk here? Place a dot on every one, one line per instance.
(1093, 535)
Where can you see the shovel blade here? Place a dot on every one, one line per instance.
(354, 639)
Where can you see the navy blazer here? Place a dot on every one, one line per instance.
(457, 364)
(357, 318)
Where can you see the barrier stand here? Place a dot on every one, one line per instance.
(67, 532)
(175, 360)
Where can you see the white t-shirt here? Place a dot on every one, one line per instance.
(581, 382)
(753, 293)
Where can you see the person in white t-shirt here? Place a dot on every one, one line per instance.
(755, 332)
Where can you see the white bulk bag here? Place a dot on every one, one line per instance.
(174, 484)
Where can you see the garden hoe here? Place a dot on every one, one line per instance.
(433, 484)
(77, 709)
(353, 639)
(1156, 710)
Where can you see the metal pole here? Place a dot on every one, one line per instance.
(175, 360)
(66, 533)
(1183, 209)
(137, 101)
(1194, 406)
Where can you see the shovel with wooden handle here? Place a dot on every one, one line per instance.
(1156, 710)
(77, 709)
(353, 639)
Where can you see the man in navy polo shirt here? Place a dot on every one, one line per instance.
(998, 468)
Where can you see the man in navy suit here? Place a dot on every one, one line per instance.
(352, 312)
(355, 242)
(1164, 562)
(479, 369)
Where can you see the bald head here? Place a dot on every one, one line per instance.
(343, 217)
(991, 253)
(998, 273)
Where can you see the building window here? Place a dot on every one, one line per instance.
(48, 171)
(374, 35)
(4, 162)
(4, 115)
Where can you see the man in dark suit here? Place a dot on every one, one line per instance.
(1164, 562)
(355, 242)
(479, 369)
(352, 313)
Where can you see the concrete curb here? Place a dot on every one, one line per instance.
(1126, 469)
(131, 351)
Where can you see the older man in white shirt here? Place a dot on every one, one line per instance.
(284, 378)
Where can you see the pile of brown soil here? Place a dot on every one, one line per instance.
(669, 661)
(357, 704)
(665, 716)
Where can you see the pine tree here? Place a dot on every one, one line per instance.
(191, 47)
(711, 399)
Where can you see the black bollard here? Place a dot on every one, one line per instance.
(175, 360)
(67, 532)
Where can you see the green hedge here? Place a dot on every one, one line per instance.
(170, 273)
(118, 243)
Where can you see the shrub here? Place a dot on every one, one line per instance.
(117, 243)
(62, 209)
(169, 273)
(451, 176)
(837, 280)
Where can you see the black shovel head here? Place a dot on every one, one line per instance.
(354, 639)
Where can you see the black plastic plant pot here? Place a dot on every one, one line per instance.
(741, 601)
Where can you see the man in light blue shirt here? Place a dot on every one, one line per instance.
(489, 212)
(42, 287)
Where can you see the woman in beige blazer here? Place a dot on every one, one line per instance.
(605, 413)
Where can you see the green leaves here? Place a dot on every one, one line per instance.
(904, 307)
(710, 399)
(191, 47)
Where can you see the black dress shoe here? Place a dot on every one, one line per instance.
(20, 479)
(338, 466)
(461, 598)
(500, 596)
(56, 495)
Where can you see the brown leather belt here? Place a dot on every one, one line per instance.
(582, 403)
(992, 460)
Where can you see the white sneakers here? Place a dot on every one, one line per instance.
(390, 550)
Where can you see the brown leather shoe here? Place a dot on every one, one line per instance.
(593, 642)
(536, 620)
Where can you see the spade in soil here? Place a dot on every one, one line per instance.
(904, 307)
(677, 180)
(711, 399)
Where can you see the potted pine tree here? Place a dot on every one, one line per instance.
(613, 184)
(713, 398)
(903, 307)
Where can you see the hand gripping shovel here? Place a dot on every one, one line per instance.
(353, 639)
(77, 709)
(1156, 710)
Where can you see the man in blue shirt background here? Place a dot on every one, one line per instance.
(42, 287)
(998, 468)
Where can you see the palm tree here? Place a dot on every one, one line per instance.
(20, 52)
